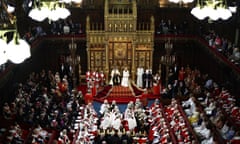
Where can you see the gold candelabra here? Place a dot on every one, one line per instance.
(74, 61)
(167, 60)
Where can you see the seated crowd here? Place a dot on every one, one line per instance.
(60, 27)
(213, 111)
(179, 123)
(223, 46)
(45, 103)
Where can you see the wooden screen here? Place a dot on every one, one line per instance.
(120, 55)
(97, 59)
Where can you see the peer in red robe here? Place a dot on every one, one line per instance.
(181, 74)
(88, 78)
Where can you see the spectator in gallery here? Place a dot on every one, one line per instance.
(54, 28)
(66, 28)
(224, 46)
(235, 57)
(218, 42)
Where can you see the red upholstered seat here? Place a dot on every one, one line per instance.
(88, 98)
(156, 90)
(142, 140)
(235, 141)
(24, 134)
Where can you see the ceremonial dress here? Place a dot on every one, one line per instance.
(125, 78)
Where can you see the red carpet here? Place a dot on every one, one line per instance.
(121, 94)
(118, 93)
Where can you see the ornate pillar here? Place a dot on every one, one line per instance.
(152, 30)
(79, 69)
(133, 59)
(237, 28)
(88, 41)
(160, 69)
(107, 60)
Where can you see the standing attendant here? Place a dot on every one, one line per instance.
(140, 72)
(125, 78)
(156, 84)
(88, 78)
(102, 78)
(149, 78)
(144, 77)
(181, 74)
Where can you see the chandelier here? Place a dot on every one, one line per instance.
(212, 9)
(180, 1)
(50, 9)
(14, 49)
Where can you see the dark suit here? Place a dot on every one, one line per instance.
(116, 79)
(125, 139)
(144, 77)
(149, 80)
(114, 139)
(175, 72)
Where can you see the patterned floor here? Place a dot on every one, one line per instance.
(120, 91)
